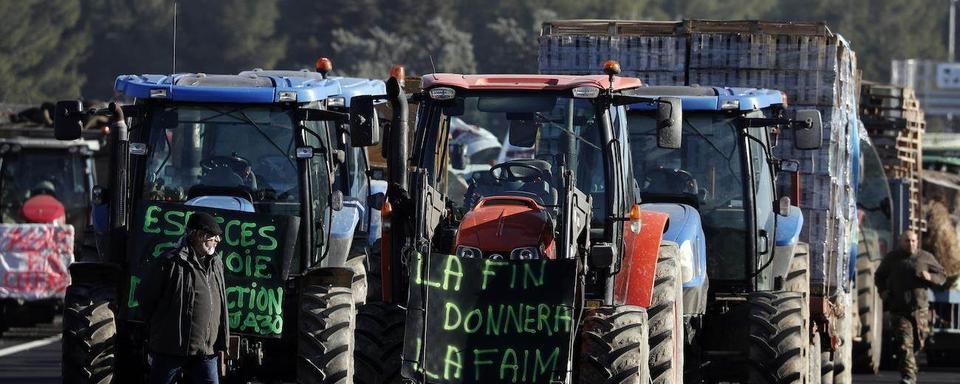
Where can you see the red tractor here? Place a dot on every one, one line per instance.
(537, 267)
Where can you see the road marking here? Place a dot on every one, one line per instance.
(31, 345)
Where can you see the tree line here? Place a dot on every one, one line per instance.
(76, 48)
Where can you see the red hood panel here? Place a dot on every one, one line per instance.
(502, 223)
(42, 209)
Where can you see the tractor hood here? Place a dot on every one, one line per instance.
(684, 221)
(500, 224)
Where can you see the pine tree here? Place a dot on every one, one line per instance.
(40, 49)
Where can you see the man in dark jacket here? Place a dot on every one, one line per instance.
(184, 302)
(902, 280)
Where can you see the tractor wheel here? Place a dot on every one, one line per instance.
(379, 339)
(357, 262)
(325, 335)
(870, 307)
(814, 374)
(89, 334)
(798, 278)
(843, 358)
(666, 319)
(826, 367)
(778, 338)
(614, 346)
(374, 290)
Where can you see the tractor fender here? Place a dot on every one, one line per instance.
(84, 272)
(327, 276)
(785, 241)
(685, 228)
(634, 282)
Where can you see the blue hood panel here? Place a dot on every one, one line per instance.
(685, 227)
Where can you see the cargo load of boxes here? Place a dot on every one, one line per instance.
(895, 123)
(813, 66)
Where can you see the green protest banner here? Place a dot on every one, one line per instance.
(256, 250)
(486, 321)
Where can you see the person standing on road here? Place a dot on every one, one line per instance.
(184, 304)
(902, 280)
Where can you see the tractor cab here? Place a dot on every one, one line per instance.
(261, 151)
(61, 171)
(724, 176)
(550, 226)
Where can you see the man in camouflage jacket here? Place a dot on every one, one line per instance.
(902, 279)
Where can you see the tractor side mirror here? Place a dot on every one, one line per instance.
(458, 156)
(376, 200)
(364, 123)
(807, 129)
(68, 120)
(99, 195)
(523, 133)
(669, 122)
(168, 119)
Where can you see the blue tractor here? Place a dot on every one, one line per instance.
(742, 264)
(266, 152)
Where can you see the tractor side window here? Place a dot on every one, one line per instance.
(763, 187)
(318, 137)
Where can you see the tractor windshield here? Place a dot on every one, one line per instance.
(244, 151)
(61, 173)
(533, 134)
(706, 173)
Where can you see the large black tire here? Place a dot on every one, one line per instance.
(826, 367)
(778, 338)
(325, 335)
(798, 278)
(666, 319)
(374, 287)
(89, 334)
(814, 374)
(379, 338)
(843, 357)
(867, 350)
(614, 346)
(357, 262)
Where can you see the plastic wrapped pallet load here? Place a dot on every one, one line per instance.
(814, 67)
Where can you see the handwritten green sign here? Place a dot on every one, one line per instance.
(256, 252)
(484, 321)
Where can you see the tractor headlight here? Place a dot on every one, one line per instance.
(525, 253)
(686, 261)
(469, 252)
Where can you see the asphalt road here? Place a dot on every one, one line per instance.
(31, 355)
(35, 359)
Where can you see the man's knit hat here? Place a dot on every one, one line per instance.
(204, 222)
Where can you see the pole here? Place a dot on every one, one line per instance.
(952, 31)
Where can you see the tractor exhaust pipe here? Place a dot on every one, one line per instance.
(399, 152)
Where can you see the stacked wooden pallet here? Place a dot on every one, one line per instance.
(814, 67)
(895, 122)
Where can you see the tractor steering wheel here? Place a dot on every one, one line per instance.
(235, 164)
(670, 181)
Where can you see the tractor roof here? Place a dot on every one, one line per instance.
(255, 86)
(527, 82)
(698, 98)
